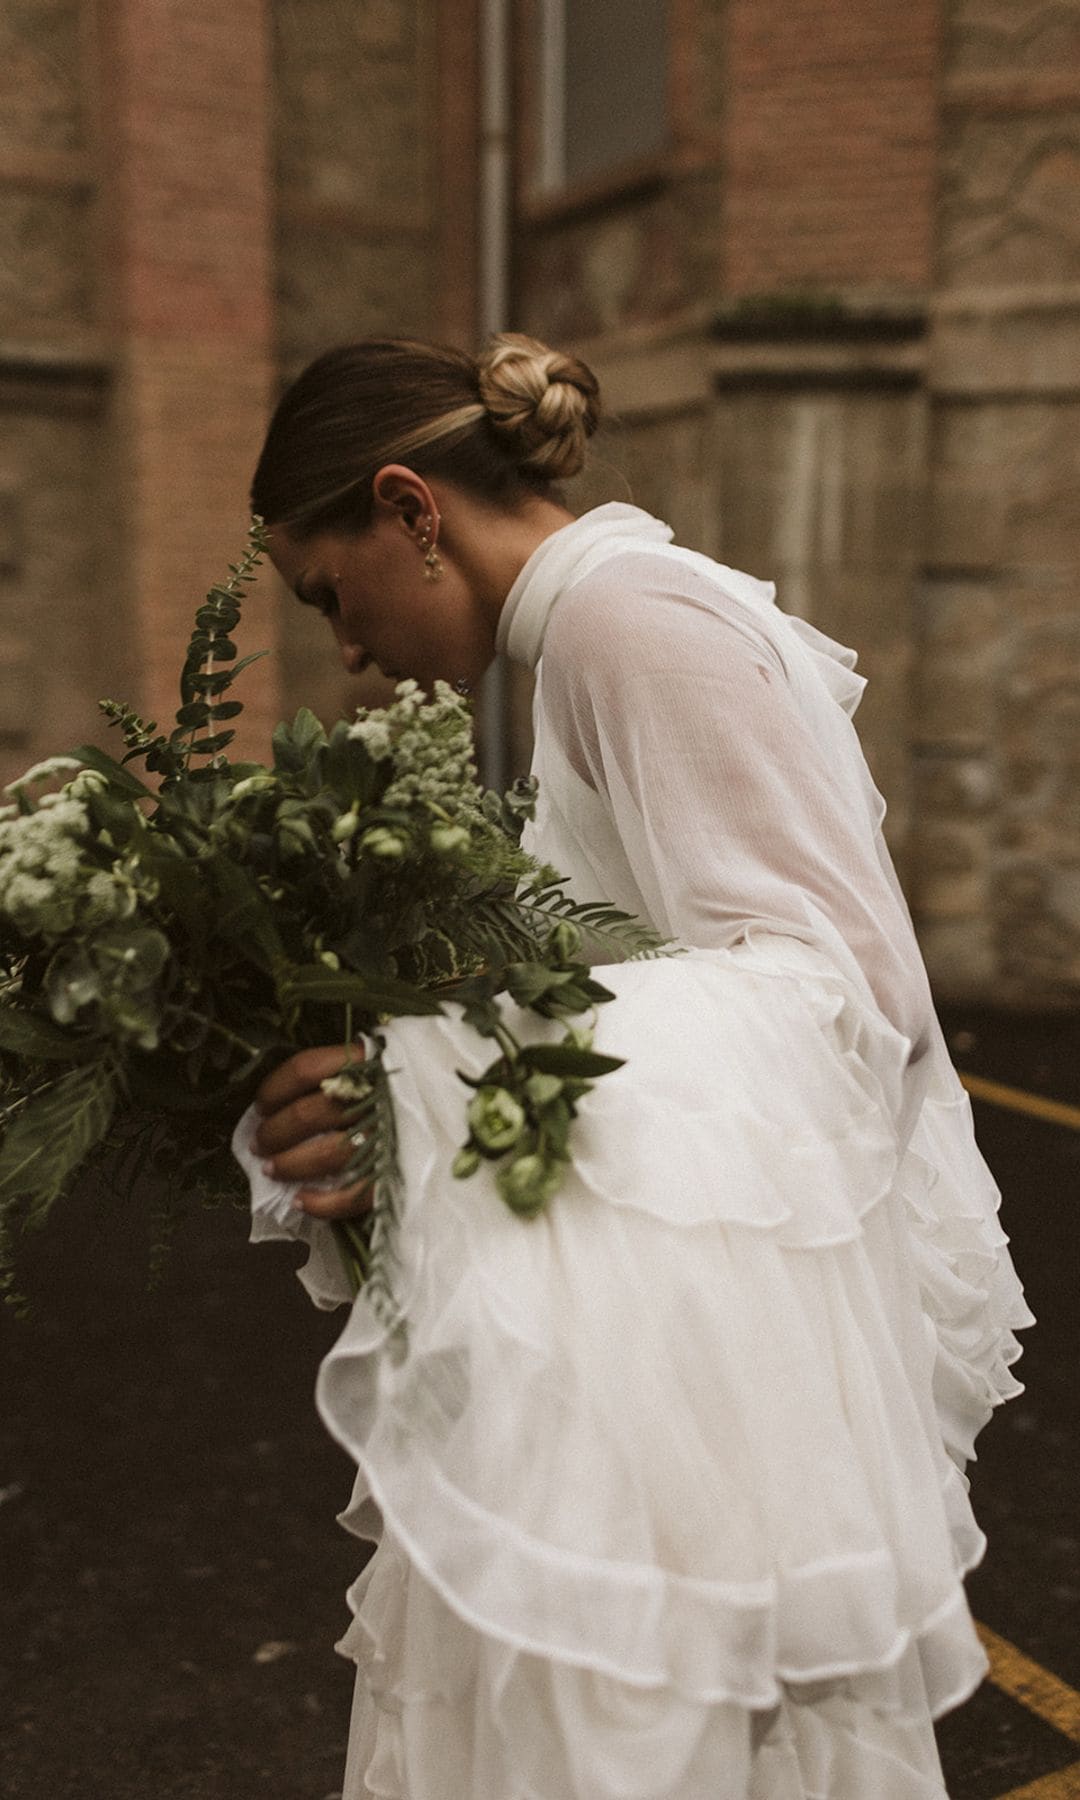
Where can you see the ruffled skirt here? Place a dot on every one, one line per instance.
(668, 1488)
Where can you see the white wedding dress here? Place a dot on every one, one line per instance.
(669, 1489)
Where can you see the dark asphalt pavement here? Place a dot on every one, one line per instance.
(173, 1578)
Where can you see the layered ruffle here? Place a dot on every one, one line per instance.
(669, 1482)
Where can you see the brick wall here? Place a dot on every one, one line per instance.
(831, 143)
(186, 230)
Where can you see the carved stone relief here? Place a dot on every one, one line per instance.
(1010, 211)
(991, 36)
(1006, 477)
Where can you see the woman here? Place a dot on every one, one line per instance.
(668, 1492)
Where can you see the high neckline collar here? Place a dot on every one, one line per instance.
(563, 558)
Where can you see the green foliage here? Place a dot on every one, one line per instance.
(50, 1132)
(169, 936)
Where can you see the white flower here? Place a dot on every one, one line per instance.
(375, 736)
(107, 897)
(25, 894)
(44, 771)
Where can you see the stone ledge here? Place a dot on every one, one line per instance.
(799, 318)
(73, 377)
(675, 366)
(853, 362)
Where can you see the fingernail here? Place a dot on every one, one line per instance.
(296, 1203)
(268, 1168)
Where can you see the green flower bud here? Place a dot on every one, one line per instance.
(528, 1183)
(252, 784)
(565, 940)
(344, 828)
(330, 958)
(465, 1163)
(542, 1089)
(579, 1037)
(294, 837)
(495, 1118)
(446, 839)
(383, 843)
(87, 783)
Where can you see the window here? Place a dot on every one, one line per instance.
(602, 74)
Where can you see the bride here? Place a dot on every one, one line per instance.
(668, 1492)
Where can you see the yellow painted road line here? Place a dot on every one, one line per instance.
(1063, 1784)
(1056, 1112)
(1043, 1694)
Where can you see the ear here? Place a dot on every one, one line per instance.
(399, 491)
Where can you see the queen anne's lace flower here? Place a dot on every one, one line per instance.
(40, 864)
(44, 771)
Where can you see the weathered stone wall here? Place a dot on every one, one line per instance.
(798, 456)
(997, 740)
(194, 200)
(52, 387)
(842, 328)
(355, 106)
(838, 325)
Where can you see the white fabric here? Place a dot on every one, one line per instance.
(668, 1491)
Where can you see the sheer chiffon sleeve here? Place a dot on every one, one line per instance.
(735, 804)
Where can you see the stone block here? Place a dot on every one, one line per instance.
(956, 653)
(46, 273)
(1040, 748)
(1037, 931)
(62, 634)
(351, 90)
(954, 787)
(1004, 480)
(333, 287)
(951, 859)
(41, 97)
(11, 532)
(1025, 346)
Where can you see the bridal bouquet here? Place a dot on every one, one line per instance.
(163, 943)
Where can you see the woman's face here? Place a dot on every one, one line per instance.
(373, 589)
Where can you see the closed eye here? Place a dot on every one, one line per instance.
(323, 599)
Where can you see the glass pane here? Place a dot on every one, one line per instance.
(616, 84)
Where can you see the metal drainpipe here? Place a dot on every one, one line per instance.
(493, 286)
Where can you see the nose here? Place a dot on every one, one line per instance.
(356, 660)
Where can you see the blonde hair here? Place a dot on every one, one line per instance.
(513, 420)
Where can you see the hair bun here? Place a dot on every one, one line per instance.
(543, 404)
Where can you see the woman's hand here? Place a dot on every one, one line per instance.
(302, 1136)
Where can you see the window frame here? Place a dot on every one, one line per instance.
(544, 195)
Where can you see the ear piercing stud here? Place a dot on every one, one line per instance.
(432, 560)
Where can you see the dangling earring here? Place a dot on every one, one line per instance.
(432, 561)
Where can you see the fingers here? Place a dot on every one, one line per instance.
(312, 1116)
(302, 1073)
(300, 1132)
(313, 1159)
(336, 1203)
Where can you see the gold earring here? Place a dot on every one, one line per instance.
(432, 561)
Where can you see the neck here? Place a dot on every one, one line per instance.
(491, 546)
